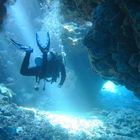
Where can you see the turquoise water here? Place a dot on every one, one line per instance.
(85, 100)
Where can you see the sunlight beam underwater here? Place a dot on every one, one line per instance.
(21, 20)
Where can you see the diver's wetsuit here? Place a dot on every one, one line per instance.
(32, 71)
(48, 69)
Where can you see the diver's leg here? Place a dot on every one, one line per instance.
(25, 69)
(25, 64)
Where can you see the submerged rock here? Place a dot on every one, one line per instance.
(115, 34)
(3, 10)
(5, 93)
(75, 9)
(19, 123)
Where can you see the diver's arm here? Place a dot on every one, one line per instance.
(63, 74)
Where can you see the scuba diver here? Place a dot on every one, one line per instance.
(47, 68)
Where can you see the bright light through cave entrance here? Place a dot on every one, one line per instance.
(110, 87)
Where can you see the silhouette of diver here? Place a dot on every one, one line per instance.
(50, 66)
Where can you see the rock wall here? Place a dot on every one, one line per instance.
(77, 9)
(114, 42)
(3, 10)
(2, 71)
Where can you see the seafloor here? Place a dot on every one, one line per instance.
(19, 123)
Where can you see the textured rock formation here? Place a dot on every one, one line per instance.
(18, 123)
(114, 42)
(3, 75)
(76, 9)
(3, 10)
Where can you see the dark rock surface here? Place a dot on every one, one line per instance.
(18, 123)
(78, 9)
(2, 73)
(3, 10)
(114, 42)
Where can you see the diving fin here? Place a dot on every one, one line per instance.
(21, 46)
(43, 41)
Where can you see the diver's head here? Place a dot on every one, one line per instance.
(38, 61)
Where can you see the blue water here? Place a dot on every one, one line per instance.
(83, 89)
(85, 107)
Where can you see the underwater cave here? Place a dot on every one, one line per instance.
(92, 89)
